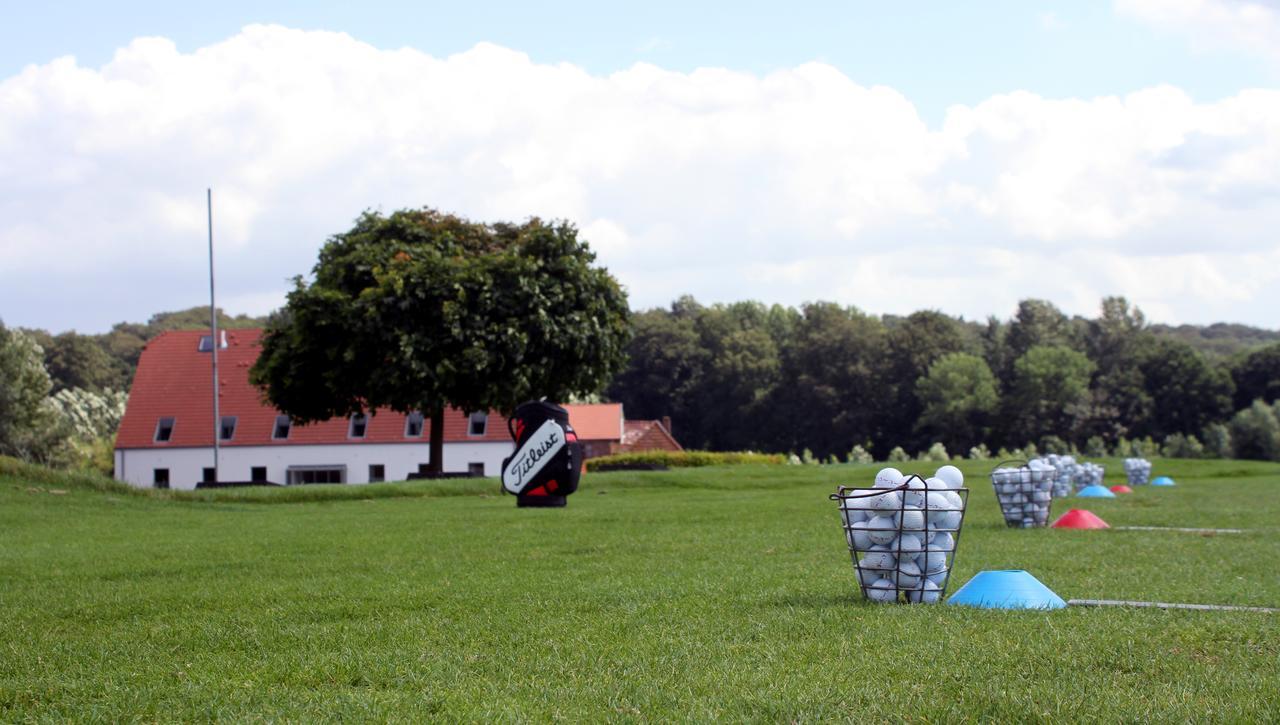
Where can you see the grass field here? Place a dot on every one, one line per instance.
(709, 594)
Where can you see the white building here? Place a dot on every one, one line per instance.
(166, 436)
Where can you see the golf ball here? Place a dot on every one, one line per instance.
(882, 530)
(882, 590)
(928, 594)
(952, 475)
(888, 478)
(912, 520)
(908, 574)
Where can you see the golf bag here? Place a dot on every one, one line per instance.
(547, 462)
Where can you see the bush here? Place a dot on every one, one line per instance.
(897, 455)
(1180, 446)
(980, 452)
(860, 455)
(1217, 441)
(1095, 447)
(683, 459)
(937, 452)
(1255, 431)
(1054, 444)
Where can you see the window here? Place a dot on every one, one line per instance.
(164, 430)
(377, 472)
(209, 475)
(258, 474)
(227, 430)
(283, 426)
(206, 342)
(477, 424)
(317, 474)
(475, 469)
(161, 478)
(359, 423)
(413, 425)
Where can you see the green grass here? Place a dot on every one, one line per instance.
(701, 594)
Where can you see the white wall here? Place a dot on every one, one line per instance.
(136, 466)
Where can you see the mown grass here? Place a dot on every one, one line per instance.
(708, 594)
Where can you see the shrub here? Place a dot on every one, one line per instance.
(979, 452)
(1054, 444)
(936, 452)
(1095, 447)
(1180, 446)
(1255, 431)
(1217, 441)
(897, 455)
(860, 455)
(683, 459)
(806, 457)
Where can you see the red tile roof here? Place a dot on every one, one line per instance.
(596, 422)
(649, 435)
(174, 380)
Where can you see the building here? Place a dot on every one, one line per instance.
(165, 439)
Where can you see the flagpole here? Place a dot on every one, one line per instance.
(213, 326)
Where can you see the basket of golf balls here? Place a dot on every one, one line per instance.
(1090, 475)
(1024, 492)
(902, 533)
(1138, 471)
(1064, 468)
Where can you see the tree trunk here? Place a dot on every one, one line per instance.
(435, 465)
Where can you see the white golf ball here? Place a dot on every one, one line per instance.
(879, 561)
(854, 515)
(888, 478)
(942, 542)
(934, 561)
(914, 496)
(939, 578)
(882, 590)
(908, 574)
(859, 536)
(928, 594)
(891, 501)
(952, 475)
(882, 530)
(912, 520)
(907, 545)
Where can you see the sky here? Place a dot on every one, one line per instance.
(940, 155)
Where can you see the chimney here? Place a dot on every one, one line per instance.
(666, 423)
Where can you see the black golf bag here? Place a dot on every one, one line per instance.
(547, 462)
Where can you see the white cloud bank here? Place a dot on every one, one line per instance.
(794, 186)
(1250, 25)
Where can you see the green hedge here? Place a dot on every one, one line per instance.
(682, 459)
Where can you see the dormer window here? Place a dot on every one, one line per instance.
(206, 342)
(164, 430)
(478, 423)
(282, 428)
(227, 429)
(359, 423)
(413, 425)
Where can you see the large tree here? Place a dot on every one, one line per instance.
(958, 395)
(421, 310)
(29, 425)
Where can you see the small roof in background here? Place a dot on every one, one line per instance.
(596, 422)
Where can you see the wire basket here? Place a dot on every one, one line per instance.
(1065, 468)
(902, 539)
(1138, 471)
(1090, 475)
(1024, 493)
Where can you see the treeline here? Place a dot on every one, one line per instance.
(62, 396)
(827, 378)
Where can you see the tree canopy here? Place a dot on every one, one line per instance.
(421, 310)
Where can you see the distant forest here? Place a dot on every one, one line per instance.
(826, 377)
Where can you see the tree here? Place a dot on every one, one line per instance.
(421, 310)
(1257, 376)
(1255, 432)
(915, 342)
(832, 388)
(1050, 387)
(665, 366)
(1187, 392)
(958, 395)
(29, 427)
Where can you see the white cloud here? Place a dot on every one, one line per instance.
(1251, 25)
(797, 185)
